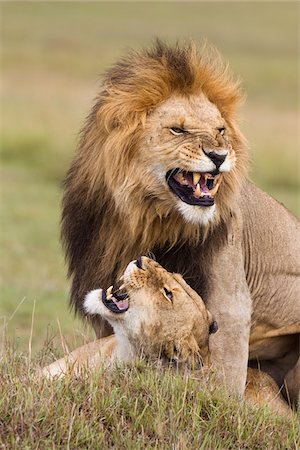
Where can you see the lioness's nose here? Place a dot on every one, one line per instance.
(216, 158)
(139, 263)
(213, 327)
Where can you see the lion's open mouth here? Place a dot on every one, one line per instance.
(194, 188)
(115, 301)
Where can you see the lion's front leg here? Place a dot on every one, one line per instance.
(229, 347)
(229, 301)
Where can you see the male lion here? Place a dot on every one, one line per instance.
(156, 315)
(162, 167)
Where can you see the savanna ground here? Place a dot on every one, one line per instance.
(53, 55)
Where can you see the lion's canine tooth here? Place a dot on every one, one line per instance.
(196, 177)
(197, 192)
(216, 187)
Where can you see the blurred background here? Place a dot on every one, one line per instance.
(53, 55)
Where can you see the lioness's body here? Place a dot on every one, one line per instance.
(174, 328)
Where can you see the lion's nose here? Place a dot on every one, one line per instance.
(216, 158)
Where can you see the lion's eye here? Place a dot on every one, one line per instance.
(168, 294)
(221, 130)
(177, 131)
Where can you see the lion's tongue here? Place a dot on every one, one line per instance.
(203, 186)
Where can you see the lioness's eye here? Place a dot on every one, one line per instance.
(168, 294)
(177, 131)
(221, 130)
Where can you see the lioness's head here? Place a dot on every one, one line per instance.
(155, 312)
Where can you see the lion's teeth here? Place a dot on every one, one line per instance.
(216, 186)
(196, 177)
(197, 192)
(182, 180)
(215, 189)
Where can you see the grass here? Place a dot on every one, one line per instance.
(130, 408)
(52, 55)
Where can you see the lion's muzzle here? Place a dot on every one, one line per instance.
(194, 188)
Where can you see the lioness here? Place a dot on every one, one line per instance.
(156, 314)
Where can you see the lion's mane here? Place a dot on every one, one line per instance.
(109, 218)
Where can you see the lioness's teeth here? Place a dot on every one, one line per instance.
(197, 192)
(196, 177)
(109, 290)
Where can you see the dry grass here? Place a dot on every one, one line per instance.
(130, 408)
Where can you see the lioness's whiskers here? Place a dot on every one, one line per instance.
(151, 255)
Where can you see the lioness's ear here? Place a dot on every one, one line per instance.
(91, 302)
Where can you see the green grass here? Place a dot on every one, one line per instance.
(52, 55)
(130, 408)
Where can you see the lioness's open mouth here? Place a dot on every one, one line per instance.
(116, 301)
(194, 188)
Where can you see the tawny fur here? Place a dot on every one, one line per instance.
(242, 257)
(158, 328)
(109, 214)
